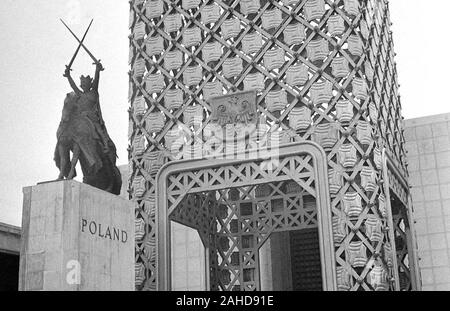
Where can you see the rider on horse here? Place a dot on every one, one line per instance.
(83, 131)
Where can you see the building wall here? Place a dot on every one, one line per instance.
(9, 239)
(428, 145)
(9, 257)
(124, 174)
(188, 264)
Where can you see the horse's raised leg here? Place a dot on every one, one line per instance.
(73, 163)
(64, 157)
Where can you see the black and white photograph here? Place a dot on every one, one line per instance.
(198, 146)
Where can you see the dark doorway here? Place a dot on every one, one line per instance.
(290, 261)
(9, 272)
(305, 260)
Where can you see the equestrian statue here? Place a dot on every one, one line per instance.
(82, 131)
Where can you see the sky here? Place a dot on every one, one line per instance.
(35, 47)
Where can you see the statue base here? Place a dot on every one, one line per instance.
(76, 237)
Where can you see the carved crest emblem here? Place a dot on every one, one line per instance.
(234, 108)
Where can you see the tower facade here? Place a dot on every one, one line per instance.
(318, 73)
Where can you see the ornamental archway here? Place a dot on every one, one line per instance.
(300, 168)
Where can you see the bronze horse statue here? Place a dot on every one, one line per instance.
(82, 132)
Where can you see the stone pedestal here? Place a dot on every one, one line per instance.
(76, 237)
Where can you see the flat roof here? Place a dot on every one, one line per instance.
(10, 229)
(10, 238)
(443, 117)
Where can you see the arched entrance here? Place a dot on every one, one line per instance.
(238, 205)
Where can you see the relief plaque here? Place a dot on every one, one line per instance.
(234, 108)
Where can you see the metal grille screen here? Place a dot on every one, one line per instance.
(305, 260)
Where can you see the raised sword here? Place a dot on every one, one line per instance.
(81, 43)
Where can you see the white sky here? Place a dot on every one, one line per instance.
(35, 46)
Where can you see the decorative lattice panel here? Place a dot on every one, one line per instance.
(245, 218)
(323, 71)
(234, 223)
(401, 229)
(244, 205)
